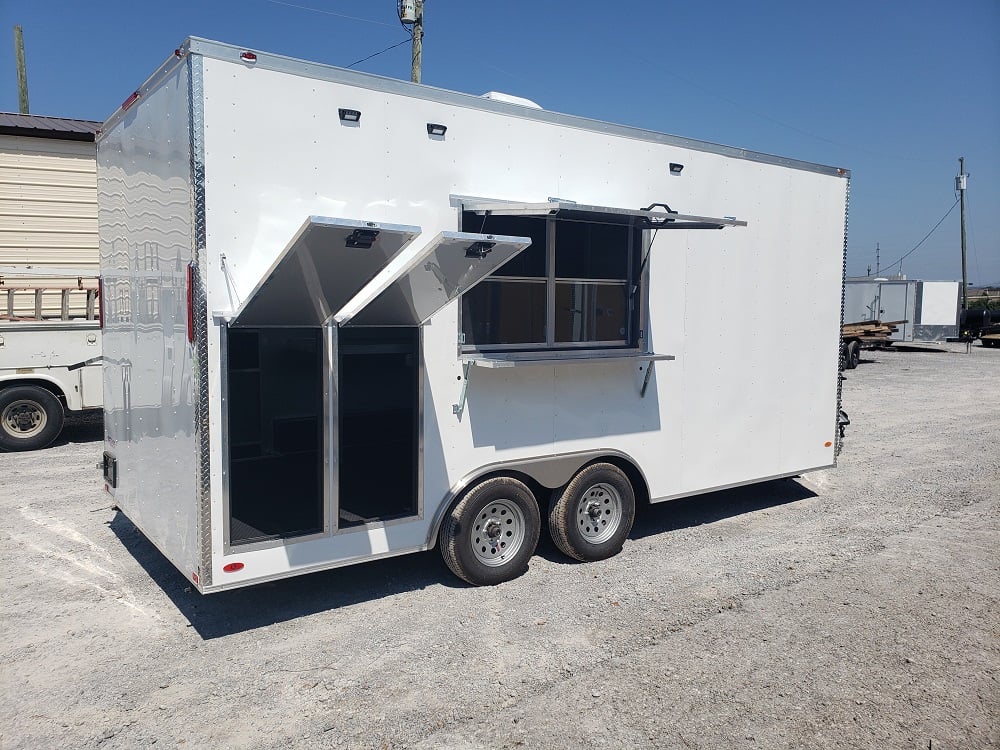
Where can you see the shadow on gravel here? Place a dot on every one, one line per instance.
(85, 428)
(229, 612)
(918, 349)
(239, 610)
(716, 506)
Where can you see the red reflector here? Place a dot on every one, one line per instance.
(194, 577)
(178, 52)
(248, 56)
(130, 101)
(190, 302)
(232, 568)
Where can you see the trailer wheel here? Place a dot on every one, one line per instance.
(491, 534)
(30, 418)
(853, 355)
(591, 517)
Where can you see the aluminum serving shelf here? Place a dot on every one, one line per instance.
(522, 359)
(525, 359)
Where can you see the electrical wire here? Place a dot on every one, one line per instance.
(911, 250)
(376, 54)
(329, 13)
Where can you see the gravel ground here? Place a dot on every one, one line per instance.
(856, 608)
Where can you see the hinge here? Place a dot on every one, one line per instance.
(461, 337)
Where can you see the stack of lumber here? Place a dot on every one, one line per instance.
(874, 332)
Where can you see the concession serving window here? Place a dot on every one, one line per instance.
(581, 284)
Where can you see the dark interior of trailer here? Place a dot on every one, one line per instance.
(275, 402)
(378, 387)
(275, 382)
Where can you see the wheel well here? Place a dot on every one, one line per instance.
(638, 481)
(47, 385)
(541, 492)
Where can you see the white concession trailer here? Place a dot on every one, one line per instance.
(348, 317)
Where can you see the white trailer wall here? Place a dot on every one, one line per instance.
(938, 303)
(745, 396)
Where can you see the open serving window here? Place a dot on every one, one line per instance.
(326, 263)
(580, 287)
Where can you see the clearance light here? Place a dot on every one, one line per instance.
(248, 56)
(827, 444)
(232, 567)
(130, 101)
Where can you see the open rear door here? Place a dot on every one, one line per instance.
(452, 263)
(323, 267)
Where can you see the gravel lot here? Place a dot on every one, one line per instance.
(858, 608)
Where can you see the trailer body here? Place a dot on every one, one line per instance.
(927, 310)
(336, 303)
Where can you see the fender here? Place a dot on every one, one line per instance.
(549, 471)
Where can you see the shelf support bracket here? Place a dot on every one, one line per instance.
(459, 408)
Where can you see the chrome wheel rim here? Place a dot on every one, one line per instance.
(23, 419)
(497, 533)
(599, 513)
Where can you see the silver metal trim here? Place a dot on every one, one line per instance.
(202, 329)
(314, 568)
(550, 471)
(662, 218)
(721, 487)
(493, 361)
(838, 441)
(331, 427)
(153, 81)
(280, 63)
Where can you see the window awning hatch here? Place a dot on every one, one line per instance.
(656, 216)
(451, 264)
(322, 268)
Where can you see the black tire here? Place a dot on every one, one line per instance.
(592, 516)
(852, 355)
(30, 418)
(490, 535)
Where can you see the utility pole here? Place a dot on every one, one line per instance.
(418, 41)
(960, 183)
(22, 73)
(877, 266)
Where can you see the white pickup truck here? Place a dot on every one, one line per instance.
(47, 368)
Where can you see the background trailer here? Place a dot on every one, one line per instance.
(349, 317)
(928, 309)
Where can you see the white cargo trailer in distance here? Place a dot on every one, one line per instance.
(360, 324)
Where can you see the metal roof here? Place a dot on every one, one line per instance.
(48, 127)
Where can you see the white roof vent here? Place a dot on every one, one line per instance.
(499, 96)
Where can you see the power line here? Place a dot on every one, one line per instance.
(910, 252)
(397, 44)
(329, 13)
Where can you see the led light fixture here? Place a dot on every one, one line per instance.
(676, 168)
(364, 238)
(434, 128)
(349, 115)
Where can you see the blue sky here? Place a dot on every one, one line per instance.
(895, 90)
